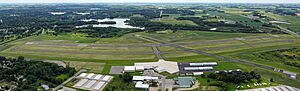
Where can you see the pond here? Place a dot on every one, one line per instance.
(120, 23)
(57, 13)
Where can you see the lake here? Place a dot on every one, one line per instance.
(120, 23)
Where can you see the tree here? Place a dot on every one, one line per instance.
(271, 80)
(20, 58)
(127, 78)
(208, 81)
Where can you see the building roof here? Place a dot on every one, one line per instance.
(204, 64)
(141, 85)
(99, 85)
(82, 75)
(197, 73)
(139, 67)
(185, 81)
(198, 68)
(90, 75)
(170, 67)
(90, 84)
(141, 78)
(81, 82)
(129, 68)
(97, 77)
(106, 78)
(160, 69)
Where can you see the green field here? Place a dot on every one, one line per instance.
(190, 36)
(171, 19)
(238, 18)
(293, 20)
(125, 50)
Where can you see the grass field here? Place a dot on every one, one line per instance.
(67, 46)
(293, 20)
(171, 19)
(237, 17)
(191, 36)
(98, 55)
(95, 67)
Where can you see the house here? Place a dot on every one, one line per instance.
(185, 82)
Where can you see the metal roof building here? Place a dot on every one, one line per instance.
(97, 77)
(141, 85)
(90, 84)
(81, 82)
(198, 68)
(142, 78)
(106, 78)
(139, 68)
(90, 75)
(204, 64)
(99, 85)
(82, 75)
(129, 68)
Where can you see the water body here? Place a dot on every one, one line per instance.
(82, 13)
(120, 23)
(280, 22)
(57, 13)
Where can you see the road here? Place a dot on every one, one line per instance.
(68, 80)
(162, 43)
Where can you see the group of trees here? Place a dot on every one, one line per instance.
(284, 11)
(121, 82)
(30, 75)
(295, 64)
(157, 26)
(236, 76)
(22, 21)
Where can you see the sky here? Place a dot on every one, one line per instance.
(150, 1)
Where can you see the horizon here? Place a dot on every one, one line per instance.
(147, 1)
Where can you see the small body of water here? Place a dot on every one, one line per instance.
(120, 23)
(280, 22)
(57, 13)
(82, 13)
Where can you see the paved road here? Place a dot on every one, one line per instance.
(156, 52)
(68, 80)
(209, 54)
